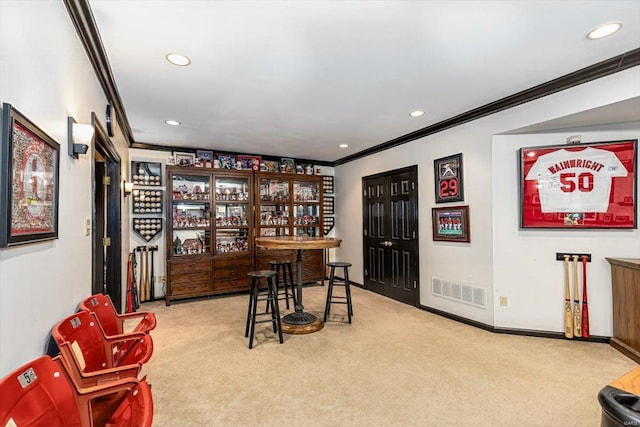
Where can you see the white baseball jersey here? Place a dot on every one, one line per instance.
(576, 181)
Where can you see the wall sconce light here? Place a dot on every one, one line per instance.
(79, 136)
(128, 188)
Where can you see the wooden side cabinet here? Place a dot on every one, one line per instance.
(625, 282)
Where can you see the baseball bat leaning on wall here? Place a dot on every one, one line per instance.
(585, 304)
(576, 299)
(147, 291)
(568, 320)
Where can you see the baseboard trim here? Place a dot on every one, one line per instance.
(510, 331)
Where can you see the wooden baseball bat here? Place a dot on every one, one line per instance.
(568, 321)
(143, 275)
(577, 328)
(147, 289)
(585, 305)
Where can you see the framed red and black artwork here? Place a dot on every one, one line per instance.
(579, 186)
(448, 179)
(29, 171)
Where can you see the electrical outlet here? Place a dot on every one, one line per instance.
(504, 301)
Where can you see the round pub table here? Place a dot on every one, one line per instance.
(299, 322)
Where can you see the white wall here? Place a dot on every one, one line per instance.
(476, 263)
(47, 76)
(525, 269)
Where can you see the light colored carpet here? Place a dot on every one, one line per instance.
(395, 365)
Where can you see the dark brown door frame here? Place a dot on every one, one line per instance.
(415, 265)
(112, 278)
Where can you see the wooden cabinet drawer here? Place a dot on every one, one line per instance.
(232, 285)
(188, 265)
(239, 272)
(191, 288)
(196, 276)
(240, 262)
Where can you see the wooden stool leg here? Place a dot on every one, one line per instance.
(246, 331)
(348, 293)
(253, 311)
(327, 307)
(276, 309)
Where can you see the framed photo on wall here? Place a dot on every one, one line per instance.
(29, 174)
(451, 224)
(578, 186)
(449, 184)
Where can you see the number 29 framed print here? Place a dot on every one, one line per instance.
(579, 186)
(448, 179)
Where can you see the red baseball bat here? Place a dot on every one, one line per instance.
(585, 305)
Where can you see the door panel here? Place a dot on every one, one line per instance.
(390, 236)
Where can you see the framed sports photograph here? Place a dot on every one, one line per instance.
(184, 159)
(451, 224)
(250, 162)
(204, 158)
(579, 186)
(287, 165)
(29, 174)
(448, 179)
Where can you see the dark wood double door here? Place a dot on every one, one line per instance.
(391, 234)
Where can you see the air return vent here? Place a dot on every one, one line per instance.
(460, 292)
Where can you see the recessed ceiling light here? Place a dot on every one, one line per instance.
(172, 122)
(416, 113)
(604, 30)
(343, 145)
(178, 59)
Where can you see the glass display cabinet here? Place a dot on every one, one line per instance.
(290, 205)
(210, 248)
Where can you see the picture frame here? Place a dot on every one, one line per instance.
(29, 181)
(287, 165)
(205, 158)
(146, 173)
(225, 161)
(579, 186)
(451, 224)
(250, 162)
(270, 166)
(449, 182)
(184, 159)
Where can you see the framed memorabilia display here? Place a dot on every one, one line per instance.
(147, 228)
(578, 186)
(327, 184)
(448, 179)
(270, 166)
(204, 158)
(328, 202)
(184, 159)
(250, 162)
(29, 174)
(287, 165)
(225, 161)
(451, 224)
(328, 224)
(146, 173)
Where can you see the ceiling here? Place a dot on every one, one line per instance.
(296, 79)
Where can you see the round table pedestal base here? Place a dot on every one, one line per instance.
(301, 323)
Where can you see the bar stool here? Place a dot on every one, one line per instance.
(271, 297)
(284, 278)
(339, 281)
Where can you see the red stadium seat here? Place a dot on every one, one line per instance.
(42, 394)
(114, 323)
(91, 357)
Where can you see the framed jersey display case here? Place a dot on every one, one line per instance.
(578, 186)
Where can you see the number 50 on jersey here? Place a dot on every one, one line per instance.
(448, 179)
(589, 185)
